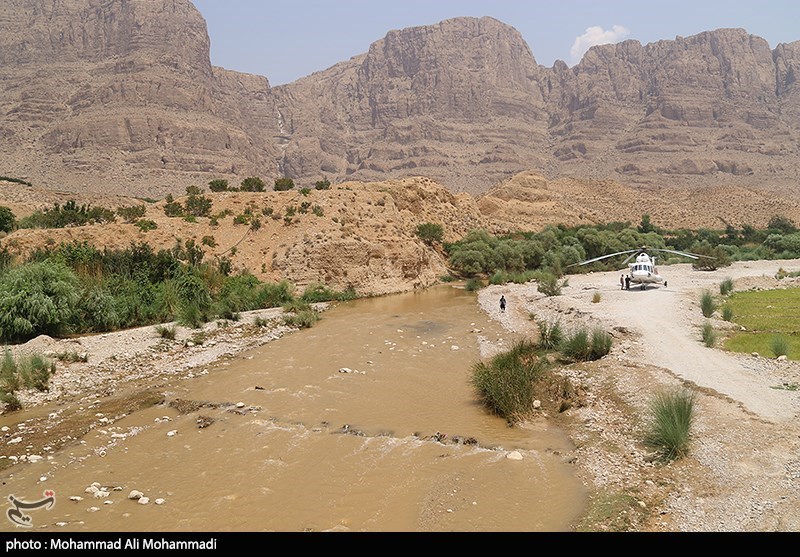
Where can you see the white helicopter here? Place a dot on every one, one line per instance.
(643, 270)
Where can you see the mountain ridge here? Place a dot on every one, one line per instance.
(123, 96)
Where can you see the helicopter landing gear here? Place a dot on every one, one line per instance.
(665, 284)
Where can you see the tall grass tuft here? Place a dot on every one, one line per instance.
(670, 422)
(30, 372)
(709, 335)
(596, 298)
(726, 286)
(473, 285)
(166, 331)
(35, 371)
(550, 335)
(601, 344)
(583, 346)
(727, 313)
(302, 319)
(779, 346)
(707, 304)
(505, 384)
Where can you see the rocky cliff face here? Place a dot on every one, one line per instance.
(719, 106)
(121, 94)
(100, 94)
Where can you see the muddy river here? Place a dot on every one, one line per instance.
(364, 422)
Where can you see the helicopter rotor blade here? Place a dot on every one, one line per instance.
(603, 257)
(689, 255)
(631, 256)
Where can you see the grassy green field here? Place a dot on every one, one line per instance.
(767, 315)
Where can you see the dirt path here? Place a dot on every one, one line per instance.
(667, 322)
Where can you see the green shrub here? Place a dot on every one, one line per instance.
(166, 331)
(272, 295)
(72, 356)
(35, 371)
(549, 284)
(11, 401)
(9, 378)
(779, 346)
(317, 210)
(505, 385)
(305, 191)
(707, 304)
(601, 344)
(37, 298)
(585, 347)
(146, 225)
(430, 233)
(96, 311)
(253, 183)
(131, 214)
(32, 371)
(709, 335)
(596, 297)
(669, 424)
(551, 335)
(283, 184)
(7, 220)
(302, 319)
(172, 208)
(727, 313)
(218, 185)
(69, 214)
(209, 241)
(577, 346)
(726, 286)
(296, 306)
(317, 292)
(322, 185)
(473, 285)
(197, 206)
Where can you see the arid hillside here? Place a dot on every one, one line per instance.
(359, 235)
(363, 234)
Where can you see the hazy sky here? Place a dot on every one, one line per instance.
(288, 39)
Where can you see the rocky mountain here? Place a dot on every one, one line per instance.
(120, 95)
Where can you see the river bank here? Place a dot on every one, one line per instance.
(742, 473)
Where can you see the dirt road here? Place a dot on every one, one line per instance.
(744, 470)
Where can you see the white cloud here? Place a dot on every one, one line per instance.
(595, 36)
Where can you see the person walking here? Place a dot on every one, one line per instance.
(622, 282)
(628, 282)
(502, 304)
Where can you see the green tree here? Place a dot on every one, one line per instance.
(779, 222)
(253, 183)
(430, 233)
(218, 185)
(645, 226)
(284, 184)
(37, 298)
(7, 220)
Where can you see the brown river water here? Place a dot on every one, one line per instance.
(398, 444)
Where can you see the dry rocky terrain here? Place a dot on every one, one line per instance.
(742, 473)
